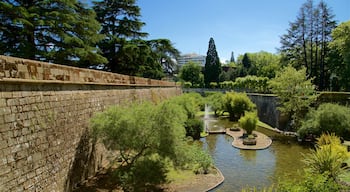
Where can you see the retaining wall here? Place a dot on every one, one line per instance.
(44, 121)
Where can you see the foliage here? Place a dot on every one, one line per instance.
(306, 40)
(261, 64)
(192, 156)
(215, 101)
(140, 130)
(146, 138)
(212, 68)
(145, 175)
(186, 84)
(328, 118)
(192, 72)
(248, 122)
(194, 127)
(339, 57)
(252, 83)
(311, 182)
(64, 32)
(213, 85)
(191, 103)
(328, 158)
(236, 104)
(123, 47)
(294, 91)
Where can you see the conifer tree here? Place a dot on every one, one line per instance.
(212, 68)
(306, 41)
(120, 24)
(63, 32)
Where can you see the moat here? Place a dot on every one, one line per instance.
(242, 168)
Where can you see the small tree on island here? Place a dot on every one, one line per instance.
(248, 122)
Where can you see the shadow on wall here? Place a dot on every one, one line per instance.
(83, 164)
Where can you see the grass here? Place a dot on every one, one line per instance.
(346, 176)
(178, 176)
(264, 125)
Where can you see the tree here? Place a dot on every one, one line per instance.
(215, 101)
(62, 32)
(192, 72)
(212, 68)
(294, 91)
(232, 59)
(236, 104)
(340, 54)
(165, 53)
(248, 122)
(120, 23)
(305, 43)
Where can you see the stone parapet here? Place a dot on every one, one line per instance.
(16, 69)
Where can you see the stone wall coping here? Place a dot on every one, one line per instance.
(28, 81)
(14, 69)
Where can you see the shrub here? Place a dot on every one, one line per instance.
(248, 122)
(187, 84)
(328, 118)
(213, 85)
(215, 101)
(194, 127)
(328, 158)
(252, 83)
(236, 104)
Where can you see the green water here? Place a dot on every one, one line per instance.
(242, 168)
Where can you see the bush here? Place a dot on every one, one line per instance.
(215, 101)
(328, 118)
(328, 158)
(194, 127)
(248, 122)
(213, 85)
(252, 83)
(187, 84)
(236, 104)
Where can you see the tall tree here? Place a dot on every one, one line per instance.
(120, 23)
(295, 93)
(232, 59)
(56, 31)
(340, 55)
(165, 53)
(212, 68)
(306, 40)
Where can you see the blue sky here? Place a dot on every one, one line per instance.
(236, 25)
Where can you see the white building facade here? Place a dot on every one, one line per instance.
(200, 59)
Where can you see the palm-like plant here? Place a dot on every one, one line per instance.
(328, 158)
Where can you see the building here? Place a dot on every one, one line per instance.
(200, 59)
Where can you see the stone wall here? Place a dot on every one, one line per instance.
(44, 121)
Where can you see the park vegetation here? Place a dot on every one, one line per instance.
(151, 139)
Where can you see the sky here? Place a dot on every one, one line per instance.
(239, 26)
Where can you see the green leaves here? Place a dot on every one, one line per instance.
(236, 104)
(212, 68)
(63, 32)
(294, 91)
(328, 118)
(248, 122)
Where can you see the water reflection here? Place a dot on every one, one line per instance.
(260, 168)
